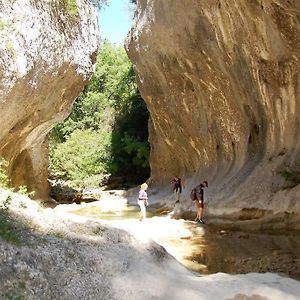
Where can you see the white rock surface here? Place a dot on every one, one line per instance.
(76, 258)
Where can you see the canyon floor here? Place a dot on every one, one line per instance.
(89, 252)
(209, 248)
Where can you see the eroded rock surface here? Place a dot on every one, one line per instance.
(46, 57)
(221, 81)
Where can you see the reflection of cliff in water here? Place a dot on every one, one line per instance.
(210, 249)
(215, 250)
(131, 212)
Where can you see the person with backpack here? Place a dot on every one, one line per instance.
(197, 195)
(177, 188)
(143, 200)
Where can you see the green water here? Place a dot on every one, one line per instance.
(131, 212)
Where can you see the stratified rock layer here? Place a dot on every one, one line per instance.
(47, 51)
(221, 81)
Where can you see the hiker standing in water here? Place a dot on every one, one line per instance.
(143, 200)
(199, 201)
(177, 188)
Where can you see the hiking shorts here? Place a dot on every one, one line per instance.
(199, 204)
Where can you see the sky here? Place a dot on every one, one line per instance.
(115, 21)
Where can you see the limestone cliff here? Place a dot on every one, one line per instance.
(221, 81)
(47, 52)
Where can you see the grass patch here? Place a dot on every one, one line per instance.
(58, 235)
(16, 292)
(11, 230)
(4, 180)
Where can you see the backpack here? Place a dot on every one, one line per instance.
(193, 194)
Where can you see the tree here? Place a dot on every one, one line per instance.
(109, 114)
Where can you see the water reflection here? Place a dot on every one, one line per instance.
(127, 213)
(209, 248)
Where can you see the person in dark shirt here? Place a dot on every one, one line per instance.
(199, 202)
(177, 188)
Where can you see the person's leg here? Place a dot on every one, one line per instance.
(143, 209)
(177, 195)
(201, 211)
(197, 209)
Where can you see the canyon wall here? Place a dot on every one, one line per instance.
(221, 81)
(47, 52)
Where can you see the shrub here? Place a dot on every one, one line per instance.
(4, 180)
(109, 116)
(85, 154)
(291, 175)
(71, 7)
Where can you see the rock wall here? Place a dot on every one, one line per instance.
(221, 81)
(47, 52)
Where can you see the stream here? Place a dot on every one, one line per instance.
(210, 249)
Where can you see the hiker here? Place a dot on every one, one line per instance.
(199, 201)
(177, 188)
(143, 200)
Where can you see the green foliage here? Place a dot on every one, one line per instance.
(10, 229)
(2, 25)
(85, 154)
(4, 180)
(107, 130)
(23, 190)
(5, 24)
(291, 175)
(16, 292)
(71, 7)
(99, 3)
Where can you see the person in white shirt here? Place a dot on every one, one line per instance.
(143, 200)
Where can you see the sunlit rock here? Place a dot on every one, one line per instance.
(47, 52)
(221, 81)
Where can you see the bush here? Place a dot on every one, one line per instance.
(107, 131)
(71, 7)
(85, 154)
(4, 180)
(291, 175)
